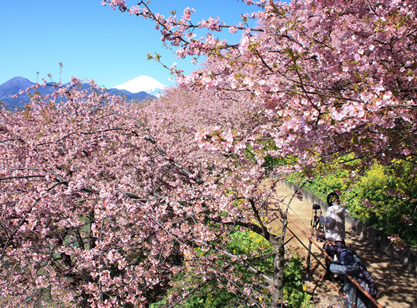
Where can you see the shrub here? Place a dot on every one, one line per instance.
(216, 294)
(383, 196)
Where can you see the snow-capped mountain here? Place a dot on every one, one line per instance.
(142, 83)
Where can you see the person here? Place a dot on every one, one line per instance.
(335, 229)
(335, 221)
(350, 264)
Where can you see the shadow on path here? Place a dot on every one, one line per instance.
(397, 287)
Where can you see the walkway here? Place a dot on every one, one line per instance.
(396, 287)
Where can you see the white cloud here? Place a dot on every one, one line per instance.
(142, 83)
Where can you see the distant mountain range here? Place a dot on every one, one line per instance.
(14, 85)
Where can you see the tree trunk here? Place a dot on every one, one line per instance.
(278, 279)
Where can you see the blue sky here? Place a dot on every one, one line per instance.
(90, 40)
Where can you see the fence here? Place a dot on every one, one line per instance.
(355, 287)
(376, 238)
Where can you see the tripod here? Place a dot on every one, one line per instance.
(317, 227)
(317, 232)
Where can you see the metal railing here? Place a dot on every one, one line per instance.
(310, 271)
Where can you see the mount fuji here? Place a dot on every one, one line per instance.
(142, 83)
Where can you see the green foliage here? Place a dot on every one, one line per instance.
(216, 293)
(211, 294)
(386, 197)
(271, 162)
(294, 288)
(249, 242)
(382, 196)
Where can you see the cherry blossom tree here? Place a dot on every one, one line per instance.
(103, 202)
(334, 77)
(329, 78)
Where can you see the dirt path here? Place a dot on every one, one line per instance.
(396, 287)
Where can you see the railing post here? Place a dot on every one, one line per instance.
(355, 295)
(309, 275)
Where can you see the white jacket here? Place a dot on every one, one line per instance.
(335, 223)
